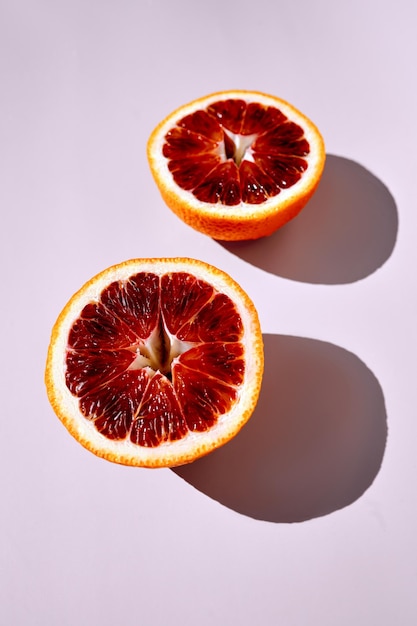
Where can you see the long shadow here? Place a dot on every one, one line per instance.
(314, 444)
(346, 232)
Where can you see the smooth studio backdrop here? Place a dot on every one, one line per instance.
(308, 517)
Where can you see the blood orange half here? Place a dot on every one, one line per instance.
(156, 362)
(236, 165)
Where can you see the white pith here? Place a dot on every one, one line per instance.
(148, 351)
(126, 451)
(243, 147)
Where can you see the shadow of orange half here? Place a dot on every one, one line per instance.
(314, 444)
(345, 233)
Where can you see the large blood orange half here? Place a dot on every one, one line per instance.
(236, 165)
(155, 362)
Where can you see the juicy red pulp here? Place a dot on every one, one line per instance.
(234, 151)
(155, 358)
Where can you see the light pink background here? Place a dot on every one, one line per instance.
(310, 515)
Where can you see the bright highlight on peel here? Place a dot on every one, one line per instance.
(236, 165)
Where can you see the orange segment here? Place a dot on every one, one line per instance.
(155, 362)
(236, 165)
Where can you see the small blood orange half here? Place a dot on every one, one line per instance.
(236, 165)
(156, 362)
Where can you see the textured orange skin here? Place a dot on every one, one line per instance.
(195, 449)
(237, 229)
(255, 221)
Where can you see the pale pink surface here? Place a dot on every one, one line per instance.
(83, 541)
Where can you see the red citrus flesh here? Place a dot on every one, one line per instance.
(235, 151)
(155, 357)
